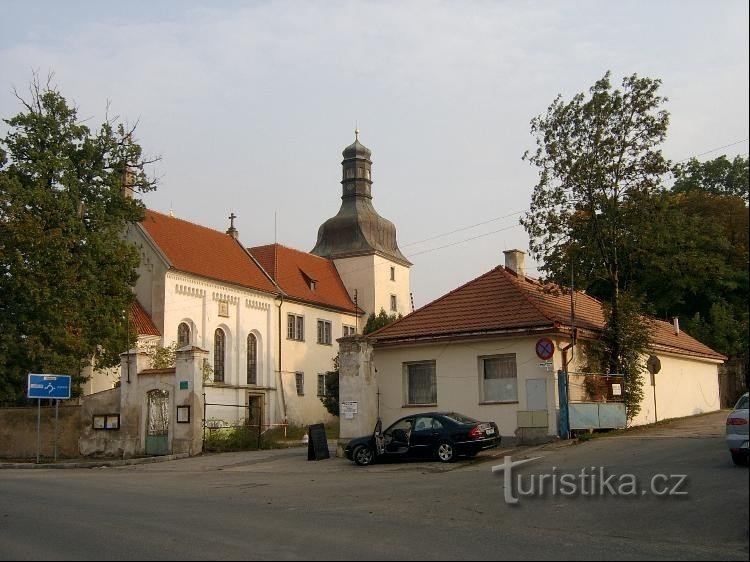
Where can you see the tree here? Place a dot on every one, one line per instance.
(599, 164)
(718, 177)
(377, 322)
(66, 274)
(331, 397)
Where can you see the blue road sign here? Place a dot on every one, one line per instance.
(49, 386)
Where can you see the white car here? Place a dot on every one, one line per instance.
(737, 427)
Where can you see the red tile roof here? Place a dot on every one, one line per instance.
(202, 251)
(141, 322)
(295, 271)
(500, 301)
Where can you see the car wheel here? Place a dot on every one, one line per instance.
(738, 459)
(445, 452)
(363, 455)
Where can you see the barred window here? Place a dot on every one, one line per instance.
(299, 380)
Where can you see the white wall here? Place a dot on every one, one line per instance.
(310, 358)
(370, 276)
(458, 379)
(684, 387)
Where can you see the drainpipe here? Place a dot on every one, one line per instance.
(281, 380)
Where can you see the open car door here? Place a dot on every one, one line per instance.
(378, 438)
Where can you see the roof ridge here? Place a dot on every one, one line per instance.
(440, 298)
(515, 280)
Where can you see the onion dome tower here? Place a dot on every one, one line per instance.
(363, 244)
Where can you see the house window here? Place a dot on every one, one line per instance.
(295, 327)
(349, 331)
(499, 378)
(420, 383)
(183, 335)
(393, 303)
(321, 385)
(324, 332)
(252, 359)
(220, 342)
(299, 379)
(393, 273)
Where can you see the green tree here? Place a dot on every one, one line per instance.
(379, 321)
(599, 164)
(331, 397)
(719, 176)
(66, 274)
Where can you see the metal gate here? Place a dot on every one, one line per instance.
(592, 401)
(157, 422)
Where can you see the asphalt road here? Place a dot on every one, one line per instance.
(278, 505)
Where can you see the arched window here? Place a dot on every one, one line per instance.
(220, 344)
(252, 359)
(183, 335)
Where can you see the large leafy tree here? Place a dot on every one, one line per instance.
(696, 266)
(66, 274)
(599, 162)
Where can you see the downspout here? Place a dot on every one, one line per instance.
(281, 380)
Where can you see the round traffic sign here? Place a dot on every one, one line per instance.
(545, 349)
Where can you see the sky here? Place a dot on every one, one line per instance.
(248, 105)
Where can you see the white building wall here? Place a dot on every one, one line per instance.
(310, 358)
(684, 387)
(370, 277)
(458, 379)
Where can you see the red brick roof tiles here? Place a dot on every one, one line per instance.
(501, 301)
(202, 251)
(304, 276)
(141, 322)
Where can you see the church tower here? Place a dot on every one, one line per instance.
(362, 244)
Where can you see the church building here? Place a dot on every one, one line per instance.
(269, 316)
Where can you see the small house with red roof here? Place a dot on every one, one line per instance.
(492, 348)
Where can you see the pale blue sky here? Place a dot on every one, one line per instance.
(250, 104)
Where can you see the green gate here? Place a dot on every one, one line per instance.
(157, 422)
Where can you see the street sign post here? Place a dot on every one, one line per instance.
(49, 386)
(55, 387)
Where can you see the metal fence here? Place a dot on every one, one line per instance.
(595, 387)
(233, 427)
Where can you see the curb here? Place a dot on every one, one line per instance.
(95, 464)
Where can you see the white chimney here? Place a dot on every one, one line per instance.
(676, 322)
(515, 260)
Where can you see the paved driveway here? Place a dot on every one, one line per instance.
(276, 504)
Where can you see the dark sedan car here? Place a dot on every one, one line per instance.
(443, 436)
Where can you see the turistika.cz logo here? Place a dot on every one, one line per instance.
(590, 481)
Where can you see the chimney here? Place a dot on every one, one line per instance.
(515, 260)
(128, 182)
(676, 322)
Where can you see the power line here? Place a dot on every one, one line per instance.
(714, 150)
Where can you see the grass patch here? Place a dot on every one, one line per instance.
(243, 438)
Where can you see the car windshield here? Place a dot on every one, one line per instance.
(460, 418)
(742, 404)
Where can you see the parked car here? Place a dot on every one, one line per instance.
(737, 431)
(442, 436)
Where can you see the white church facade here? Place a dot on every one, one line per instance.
(270, 316)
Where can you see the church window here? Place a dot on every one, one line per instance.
(252, 359)
(393, 303)
(393, 273)
(183, 335)
(220, 341)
